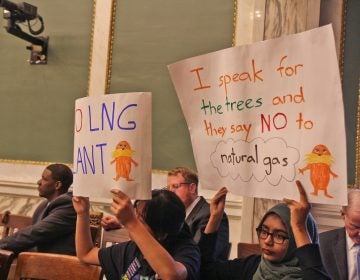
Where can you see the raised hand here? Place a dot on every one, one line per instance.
(299, 211)
(122, 208)
(81, 204)
(217, 206)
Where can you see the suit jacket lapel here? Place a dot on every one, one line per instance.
(195, 210)
(340, 254)
(39, 213)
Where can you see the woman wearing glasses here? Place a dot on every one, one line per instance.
(287, 237)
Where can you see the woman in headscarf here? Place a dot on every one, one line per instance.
(287, 237)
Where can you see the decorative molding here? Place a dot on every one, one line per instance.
(235, 21)
(357, 143)
(102, 37)
(20, 161)
(22, 189)
(334, 12)
(327, 216)
(20, 180)
(248, 21)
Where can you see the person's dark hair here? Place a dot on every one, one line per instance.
(164, 213)
(61, 172)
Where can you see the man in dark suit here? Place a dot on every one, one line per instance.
(339, 247)
(184, 182)
(54, 220)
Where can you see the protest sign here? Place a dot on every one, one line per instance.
(112, 145)
(263, 115)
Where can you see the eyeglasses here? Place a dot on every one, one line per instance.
(176, 186)
(277, 236)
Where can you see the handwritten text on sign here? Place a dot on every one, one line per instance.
(108, 152)
(257, 112)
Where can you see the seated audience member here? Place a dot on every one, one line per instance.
(54, 220)
(340, 247)
(287, 236)
(184, 183)
(161, 246)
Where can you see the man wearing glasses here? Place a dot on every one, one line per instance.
(184, 183)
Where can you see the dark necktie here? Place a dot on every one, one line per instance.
(358, 262)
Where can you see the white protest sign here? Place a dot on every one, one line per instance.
(261, 116)
(112, 145)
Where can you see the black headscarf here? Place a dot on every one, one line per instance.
(288, 268)
(283, 211)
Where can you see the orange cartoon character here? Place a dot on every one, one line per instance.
(122, 156)
(319, 162)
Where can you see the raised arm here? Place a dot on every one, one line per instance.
(85, 249)
(159, 259)
(299, 211)
(307, 252)
(217, 207)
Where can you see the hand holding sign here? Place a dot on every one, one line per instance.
(122, 208)
(81, 205)
(217, 207)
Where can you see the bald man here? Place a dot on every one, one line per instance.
(339, 247)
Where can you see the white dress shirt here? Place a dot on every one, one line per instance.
(191, 206)
(352, 251)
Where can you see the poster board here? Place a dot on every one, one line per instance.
(112, 145)
(258, 113)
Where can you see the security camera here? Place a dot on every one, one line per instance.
(21, 12)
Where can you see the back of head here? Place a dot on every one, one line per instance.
(283, 211)
(189, 175)
(164, 213)
(353, 201)
(61, 172)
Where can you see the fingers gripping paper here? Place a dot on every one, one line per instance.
(261, 116)
(112, 145)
